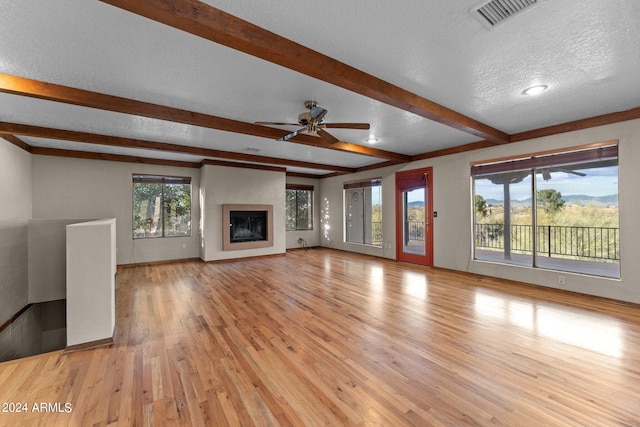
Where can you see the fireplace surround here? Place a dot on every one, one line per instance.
(247, 226)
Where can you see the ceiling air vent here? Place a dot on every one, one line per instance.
(495, 12)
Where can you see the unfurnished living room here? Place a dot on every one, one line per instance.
(292, 213)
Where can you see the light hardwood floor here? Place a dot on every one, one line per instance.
(322, 337)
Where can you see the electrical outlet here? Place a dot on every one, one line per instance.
(184, 246)
(561, 280)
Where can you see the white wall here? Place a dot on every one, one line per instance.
(311, 237)
(452, 201)
(236, 185)
(16, 193)
(80, 189)
(91, 270)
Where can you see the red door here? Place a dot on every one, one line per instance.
(414, 216)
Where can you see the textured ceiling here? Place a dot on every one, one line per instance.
(589, 56)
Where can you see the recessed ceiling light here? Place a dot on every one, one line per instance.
(372, 140)
(535, 90)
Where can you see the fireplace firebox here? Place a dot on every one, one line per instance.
(247, 226)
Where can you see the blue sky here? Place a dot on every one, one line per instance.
(597, 182)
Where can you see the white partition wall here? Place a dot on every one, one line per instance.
(91, 269)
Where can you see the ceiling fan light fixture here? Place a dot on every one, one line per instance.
(313, 123)
(535, 90)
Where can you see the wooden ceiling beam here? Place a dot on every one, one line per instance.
(213, 24)
(378, 166)
(243, 165)
(602, 120)
(454, 150)
(52, 92)
(17, 142)
(7, 128)
(57, 152)
(304, 175)
(605, 119)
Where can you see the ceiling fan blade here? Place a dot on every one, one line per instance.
(275, 124)
(363, 126)
(317, 113)
(291, 135)
(327, 136)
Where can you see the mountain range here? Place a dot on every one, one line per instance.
(573, 199)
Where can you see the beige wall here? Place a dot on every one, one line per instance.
(453, 232)
(72, 188)
(16, 191)
(48, 259)
(452, 200)
(94, 189)
(236, 185)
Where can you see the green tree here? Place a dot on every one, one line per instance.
(550, 200)
(161, 209)
(299, 210)
(177, 209)
(481, 205)
(290, 209)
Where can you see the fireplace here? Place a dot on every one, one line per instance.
(247, 226)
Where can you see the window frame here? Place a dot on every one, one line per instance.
(297, 188)
(363, 184)
(162, 180)
(536, 165)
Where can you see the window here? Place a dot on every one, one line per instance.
(161, 206)
(299, 208)
(363, 212)
(574, 226)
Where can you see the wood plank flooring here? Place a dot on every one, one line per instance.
(327, 338)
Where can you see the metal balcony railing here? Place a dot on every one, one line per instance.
(570, 241)
(376, 233)
(415, 230)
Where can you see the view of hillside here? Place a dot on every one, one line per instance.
(576, 210)
(574, 199)
(572, 215)
(575, 227)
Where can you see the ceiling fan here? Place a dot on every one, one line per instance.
(312, 122)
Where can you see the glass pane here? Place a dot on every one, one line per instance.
(290, 210)
(363, 215)
(577, 218)
(354, 215)
(373, 215)
(503, 218)
(376, 219)
(414, 221)
(304, 210)
(177, 214)
(147, 215)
